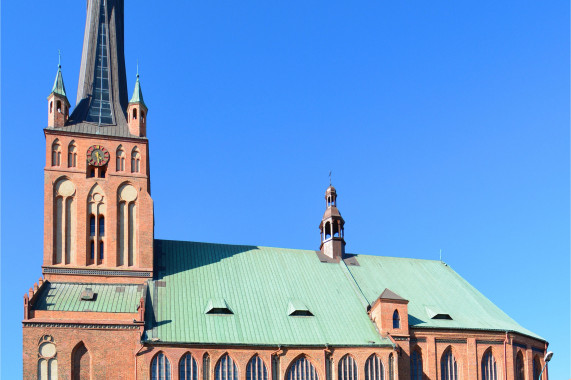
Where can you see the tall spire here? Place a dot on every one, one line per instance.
(59, 87)
(137, 93)
(102, 97)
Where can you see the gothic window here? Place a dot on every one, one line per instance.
(135, 161)
(448, 366)
(302, 369)
(120, 159)
(396, 320)
(416, 365)
(72, 155)
(65, 219)
(347, 368)
(59, 106)
(327, 230)
(519, 368)
(127, 225)
(206, 367)
(256, 369)
(391, 366)
(275, 367)
(81, 363)
(97, 209)
(489, 370)
(134, 114)
(160, 367)
(56, 153)
(142, 116)
(374, 368)
(47, 363)
(536, 368)
(226, 369)
(187, 368)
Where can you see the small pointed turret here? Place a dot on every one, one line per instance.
(137, 112)
(58, 105)
(332, 227)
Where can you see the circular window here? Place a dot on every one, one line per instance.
(47, 350)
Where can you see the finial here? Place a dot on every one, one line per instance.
(330, 178)
(59, 59)
(137, 69)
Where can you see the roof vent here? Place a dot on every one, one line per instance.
(88, 295)
(434, 312)
(296, 308)
(218, 306)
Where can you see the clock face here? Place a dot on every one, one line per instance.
(97, 155)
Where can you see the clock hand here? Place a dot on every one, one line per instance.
(98, 157)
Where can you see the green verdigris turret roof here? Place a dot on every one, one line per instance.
(137, 97)
(59, 87)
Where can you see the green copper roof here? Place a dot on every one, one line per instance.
(109, 298)
(432, 288)
(261, 286)
(59, 87)
(138, 94)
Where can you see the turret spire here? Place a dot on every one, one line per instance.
(332, 227)
(58, 105)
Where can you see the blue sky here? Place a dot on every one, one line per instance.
(446, 126)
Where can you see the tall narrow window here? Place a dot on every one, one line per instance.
(47, 362)
(56, 153)
(416, 365)
(65, 222)
(81, 363)
(160, 367)
(519, 368)
(275, 367)
(256, 369)
(206, 367)
(101, 248)
(96, 207)
(391, 367)
(396, 320)
(101, 225)
(92, 250)
(188, 369)
(92, 225)
(120, 159)
(302, 369)
(489, 370)
(226, 369)
(448, 366)
(347, 369)
(72, 155)
(135, 161)
(374, 368)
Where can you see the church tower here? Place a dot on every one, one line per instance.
(332, 228)
(98, 210)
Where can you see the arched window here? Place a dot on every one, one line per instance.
(489, 370)
(187, 368)
(96, 208)
(56, 153)
(448, 366)
(416, 365)
(65, 221)
(391, 366)
(302, 369)
(519, 368)
(72, 155)
(127, 234)
(160, 367)
(81, 363)
(347, 369)
(142, 116)
(135, 161)
(327, 230)
(134, 114)
(396, 320)
(226, 369)
(47, 363)
(51, 106)
(374, 368)
(120, 159)
(256, 369)
(536, 368)
(206, 367)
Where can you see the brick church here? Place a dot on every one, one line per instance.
(116, 303)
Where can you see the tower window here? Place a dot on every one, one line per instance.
(72, 155)
(59, 106)
(396, 320)
(56, 153)
(101, 225)
(120, 159)
(51, 106)
(135, 161)
(142, 116)
(101, 247)
(92, 250)
(134, 114)
(92, 225)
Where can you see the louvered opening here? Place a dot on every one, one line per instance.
(296, 308)
(218, 306)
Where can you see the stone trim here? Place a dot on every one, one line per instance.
(489, 342)
(464, 341)
(83, 326)
(98, 272)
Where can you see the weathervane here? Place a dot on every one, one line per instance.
(330, 178)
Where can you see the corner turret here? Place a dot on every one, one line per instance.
(58, 105)
(332, 228)
(137, 112)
